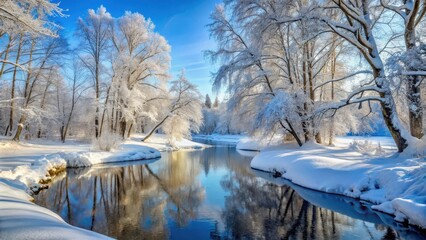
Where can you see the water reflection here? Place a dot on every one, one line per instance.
(208, 194)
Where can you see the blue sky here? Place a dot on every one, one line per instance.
(181, 22)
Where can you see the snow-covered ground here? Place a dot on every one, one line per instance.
(368, 169)
(159, 142)
(22, 219)
(251, 144)
(25, 166)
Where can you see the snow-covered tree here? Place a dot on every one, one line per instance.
(70, 96)
(279, 63)
(120, 70)
(94, 32)
(259, 69)
(355, 25)
(30, 16)
(42, 69)
(210, 121)
(183, 113)
(412, 12)
(140, 66)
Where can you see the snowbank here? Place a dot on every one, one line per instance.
(86, 159)
(161, 143)
(396, 185)
(22, 219)
(27, 167)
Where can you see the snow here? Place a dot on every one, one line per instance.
(128, 153)
(362, 169)
(22, 219)
(227, 138)
(160, 142)
(26, 167)
(251, 144)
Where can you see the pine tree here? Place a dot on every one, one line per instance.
(216, 103)
(208, 102)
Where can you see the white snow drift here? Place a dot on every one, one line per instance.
(24, 165)
(396, 184)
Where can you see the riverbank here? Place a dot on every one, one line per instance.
(368, 169)
(26, 167)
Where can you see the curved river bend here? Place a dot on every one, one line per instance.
(208, 194)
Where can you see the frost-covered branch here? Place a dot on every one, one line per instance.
(342, 78)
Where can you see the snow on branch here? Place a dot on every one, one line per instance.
(18, 15)
(343, 78)
(414, 73)
(398, 10)
(14, 64)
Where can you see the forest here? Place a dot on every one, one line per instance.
(115, 81)
(316, 70)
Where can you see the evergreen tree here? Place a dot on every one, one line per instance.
(208, 102)
(216, 103)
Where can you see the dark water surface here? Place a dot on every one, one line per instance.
(208, 194)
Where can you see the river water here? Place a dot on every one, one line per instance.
(208, 194)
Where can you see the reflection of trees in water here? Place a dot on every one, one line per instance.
(222, 157)
(138, 201)
(128, 202)
(264, 210)
(257, 208)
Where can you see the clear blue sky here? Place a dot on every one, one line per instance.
(181, 22)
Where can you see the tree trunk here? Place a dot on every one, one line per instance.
(311, 89)
(20, 128)
(62, 132)
(413, 88)
(27, 92)
(97, 98)
(43, 102)
(415, 106)
(123, 127)
(9, 45)
(65, 132)
(293, 133)
(318, 138)
(154, 129)
(9, 128)
(130, 130)
(305, 121)
(333, 75)
(389, 111)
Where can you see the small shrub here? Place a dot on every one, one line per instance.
(107, 142)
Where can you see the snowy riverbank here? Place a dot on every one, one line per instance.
(361, 169)
(25, 167)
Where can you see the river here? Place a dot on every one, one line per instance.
(208, 194)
